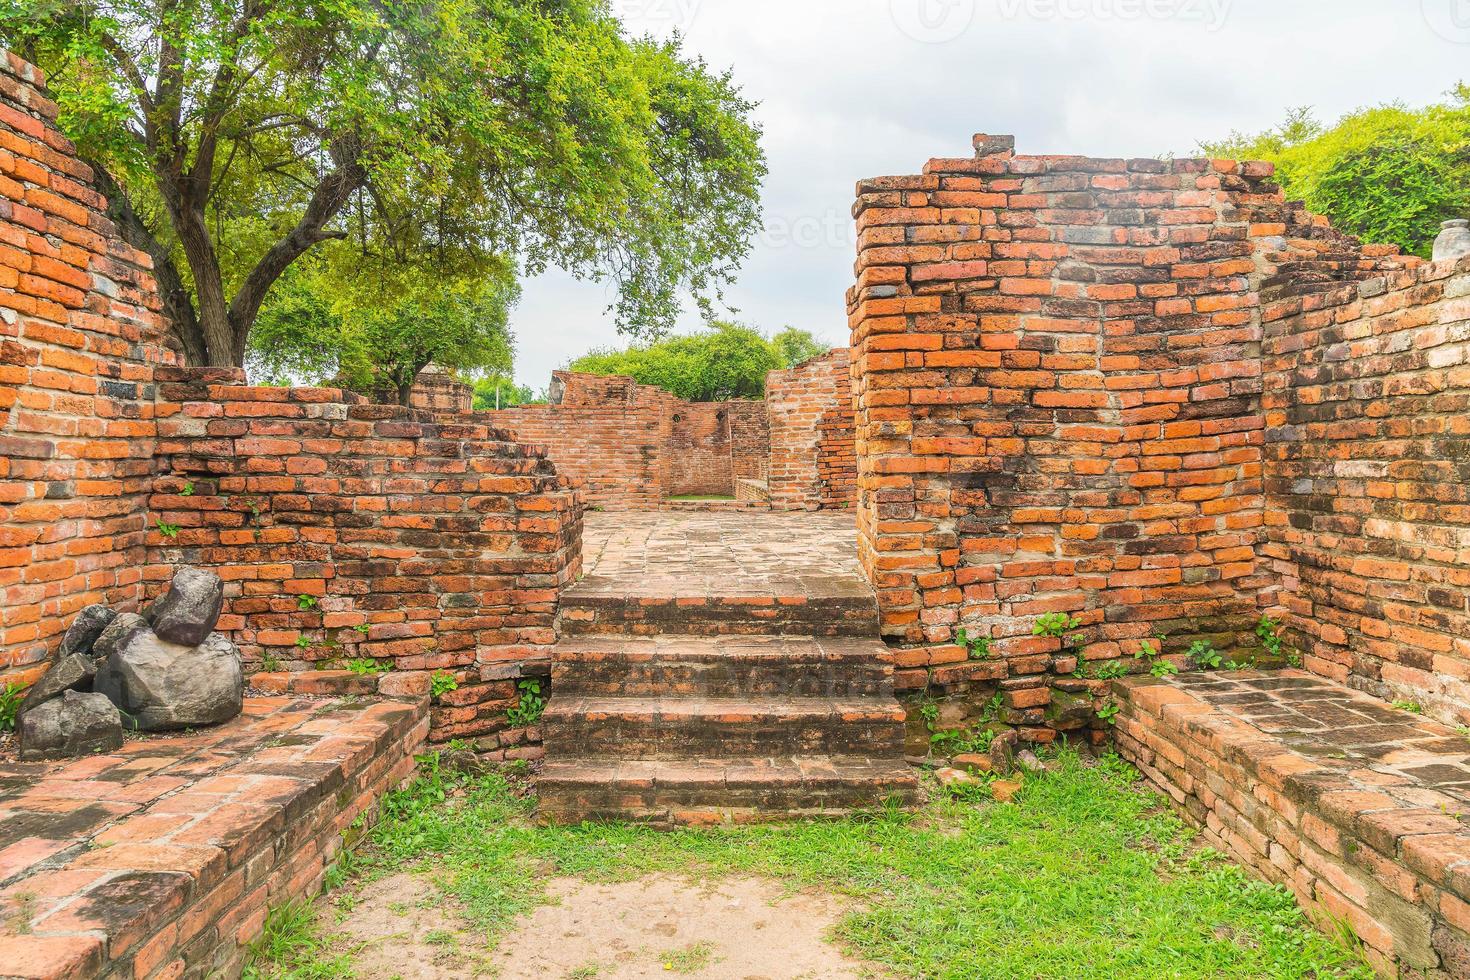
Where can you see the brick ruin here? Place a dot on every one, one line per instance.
(1150, 394)
(637, 447)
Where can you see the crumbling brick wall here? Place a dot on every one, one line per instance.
(750, 440)
(1368, 480)
(79, 335)
(436, 390)
(813, 461)
(351, 531)
(1058, 383)
(698, 457)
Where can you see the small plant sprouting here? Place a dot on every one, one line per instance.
(366, 666)
(1157, 665)
(188, 490)
(442, 683)
(1268, 631)
(978, 646)
(1413, 707)
(1205, 656)
(11, 696)
(270, 663)
(1294, 658)
(1109, 712)
(531, 706)
(1240, 665)
(306, 602)
(361, 628)
(168, 530)
(302, 641)
(1055, 624)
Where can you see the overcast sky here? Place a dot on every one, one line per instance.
(860, 88)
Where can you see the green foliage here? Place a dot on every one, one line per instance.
(269, 662)
(442, 683)
(498, 389)
(795, 347)
(1059, 625)
(1108, 712)
(1084, 854)
(188, 489)
(1268, 631)
(977, 645)
(11, 695)
(366, 666)
(168, 530)
(303, 641)
(1413, 707)
(726, 361)
(245, 135)
(1205, 656)
(306, 602)
(1386, 174)
(1110, 670)
(529, 708)
(289, 947)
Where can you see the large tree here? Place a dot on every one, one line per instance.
(235, 136)
(1387, 174)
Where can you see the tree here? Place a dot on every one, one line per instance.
(795, 346)
(726, 361)
(234, 137)
(1385, 174)
(499, 390)
(378, 334)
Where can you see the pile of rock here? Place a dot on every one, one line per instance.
(166, 669)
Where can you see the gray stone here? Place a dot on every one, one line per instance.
(187, 612)
(117, 632)
(1453, 241)
(1027, 760)
(85, 629)
(71, 725)
(70, 673)
(1003, 752)
(161, 686)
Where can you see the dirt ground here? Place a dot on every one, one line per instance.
(730, 929)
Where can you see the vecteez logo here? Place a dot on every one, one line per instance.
(932, 21)
(1450, 19)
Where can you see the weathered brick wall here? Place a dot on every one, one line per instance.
(1058, 382)
(750, 440)
(698, 455)
(347, 530)
(79, 335)
(436, 390)
(1368, 481)
(813, 462)
(607, 433)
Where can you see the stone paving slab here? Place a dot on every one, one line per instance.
(813, 555)
(166, 853)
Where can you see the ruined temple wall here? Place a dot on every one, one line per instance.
(813, 462)
(1367, 404)
(351, 531)
(699, 451)
(80, 334)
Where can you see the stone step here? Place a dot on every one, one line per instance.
(722, 667)
(586, 613)
(692, 728)
(705, 791)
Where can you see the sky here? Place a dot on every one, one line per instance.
(848, 89)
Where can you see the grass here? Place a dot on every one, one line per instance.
(1085, 876)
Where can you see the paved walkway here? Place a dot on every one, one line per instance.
(724, 554)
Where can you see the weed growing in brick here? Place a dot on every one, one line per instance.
(306, 602)
(1413, 707)
(978, 646)
(1204, 655)
(1108, 712)
(530, 707)
(442, 683)
(1086, 876)
(168, 530)
(367, 667)
(1062, 626)
(1268, 631)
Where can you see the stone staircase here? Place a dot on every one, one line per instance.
(693, 709)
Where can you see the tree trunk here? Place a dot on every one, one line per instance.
(405, 395)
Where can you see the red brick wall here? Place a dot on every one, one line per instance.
(79, 335)
(750, 440)
(698, 455)
(1058, 383)
(424, 543)
(813, 464)
(1368, 481)
(436, 390)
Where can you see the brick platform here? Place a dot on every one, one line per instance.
(162, 859)
(1358, 807)
(720, 667)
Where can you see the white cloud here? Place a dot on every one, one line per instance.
(845, 93)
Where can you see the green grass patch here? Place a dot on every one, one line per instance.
(1085, 876)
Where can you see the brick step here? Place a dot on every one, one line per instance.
(704, 791)
(692, 728)
(713, 506)
(723, 667)
(588, 613)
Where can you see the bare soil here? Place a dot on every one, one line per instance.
(660, 926)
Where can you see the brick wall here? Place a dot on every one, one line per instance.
(347, 530)
(1368, 481)
(436, 390)
(698, 457)
(1058, 384)
(750, 440)
(813, 462)
(79, 335)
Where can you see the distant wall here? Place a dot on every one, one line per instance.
(80, 334)
(436, 390)
(813, 462)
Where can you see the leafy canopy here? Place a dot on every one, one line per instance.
(1385, 174)
(236, 136)
(724, 362)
